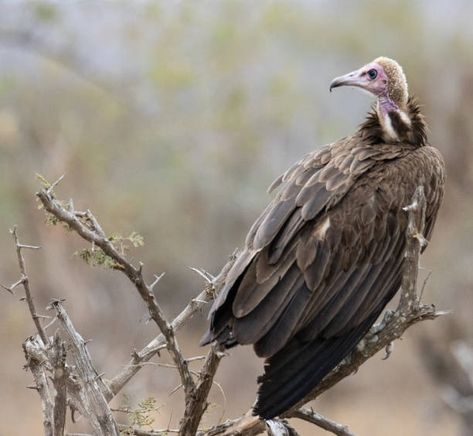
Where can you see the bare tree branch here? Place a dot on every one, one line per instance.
(36, 360)
(196, 408)
(159, 342)
(24, 280)
(90, 230)
(91, 387)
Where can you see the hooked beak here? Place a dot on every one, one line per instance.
(355, 78)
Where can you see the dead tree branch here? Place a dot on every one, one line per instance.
(159, 342)
(89, 386)
(196, 408)
(25, 282)
(36, 362)
(89, 229)
(87, 226)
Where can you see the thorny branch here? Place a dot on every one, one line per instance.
(25, 282)
(159, 342)
(90, 230)
(35, 358)
(87, 226)
(87, 388)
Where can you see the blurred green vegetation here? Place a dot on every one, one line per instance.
(171, 118)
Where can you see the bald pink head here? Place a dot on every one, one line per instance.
(382, 77)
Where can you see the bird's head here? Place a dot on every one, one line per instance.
(382, 77)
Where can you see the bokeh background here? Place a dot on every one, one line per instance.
(170, 119)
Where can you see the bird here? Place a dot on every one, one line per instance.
(326, 256)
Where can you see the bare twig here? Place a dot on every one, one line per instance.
(310, 415)
(24, 280)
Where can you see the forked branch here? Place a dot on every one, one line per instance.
(86, 225)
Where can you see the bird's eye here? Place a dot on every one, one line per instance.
(372, 74)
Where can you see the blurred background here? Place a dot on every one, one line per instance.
(171, 119)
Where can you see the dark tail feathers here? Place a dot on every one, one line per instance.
(298, 368)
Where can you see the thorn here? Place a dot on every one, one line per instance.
(14, 285)
(35, 388)
(388, 351)
(443, 312)
(135, 356)
(7, 288)
(175, 389)
(209, 278)
(422, 241)
(424, 284)
(54, 184)
(29, 247)
(157, 279)
(50, 323)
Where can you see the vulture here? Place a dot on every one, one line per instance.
(326, 255)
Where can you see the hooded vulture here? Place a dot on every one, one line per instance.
(326, 255)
